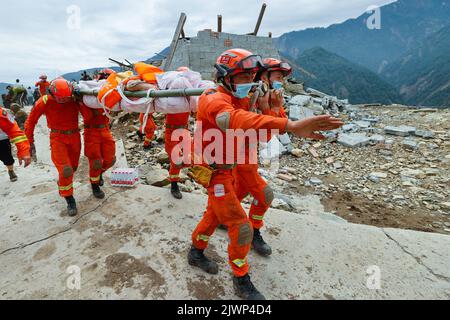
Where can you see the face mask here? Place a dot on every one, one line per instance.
(277, 85)
(242, 90)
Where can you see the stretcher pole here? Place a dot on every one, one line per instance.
(151, 94)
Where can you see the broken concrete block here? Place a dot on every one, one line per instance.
(338, 165)
(349, 127)
(424, 134)
(313, 152)
(280, 204)
(402, 131)
(273, 150)
(315, 181)
(285, 177)
(363, 124)
(301, 100)
(163, 157)
(379, 175)
(297, 153)
(371, 120)
(410, 144)
(413, 173)
(354, 140)
(377, 138)
(285, 139)
(158, 177)
(445, 205)
(299, 113)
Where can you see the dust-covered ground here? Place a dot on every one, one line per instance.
(400, 182)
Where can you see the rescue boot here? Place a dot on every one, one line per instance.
(197, 258)
(101, 182)
(72, 210)
(97, 192)
(147, 147)
(140, 135)
(260, 246)
(12, 176)
(245, 289)
(175, 190)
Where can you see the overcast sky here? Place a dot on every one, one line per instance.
(42, 36)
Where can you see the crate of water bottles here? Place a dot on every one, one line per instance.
(125, 177)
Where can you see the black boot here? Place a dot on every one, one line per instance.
(175, 190)
(260, 246)
(147, 147)
(101, 182)
(197, 258)
(72, 210)
(245, 289)
(97, 192)
(12, 176)
(140, 135)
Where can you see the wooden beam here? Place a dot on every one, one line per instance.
(260, 18)
(219, 23)
(174, 44)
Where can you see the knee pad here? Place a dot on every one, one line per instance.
(245, 235)
(268, 195)
(97, 164)
(67, 172)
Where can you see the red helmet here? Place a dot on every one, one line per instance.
(61, 90)
(104, 74)
(271, 65)
(43, 77)
(235, 61)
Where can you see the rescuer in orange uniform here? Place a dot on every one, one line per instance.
(147, 133)
(247, 179)
(218, 111)
(62, 112)
(42, 84)
(11, 133)
(174, 122)
(99, 146)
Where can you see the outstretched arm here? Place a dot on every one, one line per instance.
(33, 119)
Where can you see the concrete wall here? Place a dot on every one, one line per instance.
(200, 53)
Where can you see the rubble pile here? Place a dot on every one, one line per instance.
(386, 158)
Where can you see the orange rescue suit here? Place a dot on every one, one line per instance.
(10, 127)
(65, 141)
(175, 122)
(99, 144)
(149, 129)
(216, 110)
(43, 85)
(249, 182)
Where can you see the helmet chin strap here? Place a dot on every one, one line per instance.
(229, 87)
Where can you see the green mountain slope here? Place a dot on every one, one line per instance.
(332, 74)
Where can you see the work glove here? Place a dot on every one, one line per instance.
(33, 152)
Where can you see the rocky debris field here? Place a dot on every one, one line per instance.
(387, 167)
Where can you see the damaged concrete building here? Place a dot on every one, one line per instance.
(200, 53)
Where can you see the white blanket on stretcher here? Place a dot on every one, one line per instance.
(166, 81)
